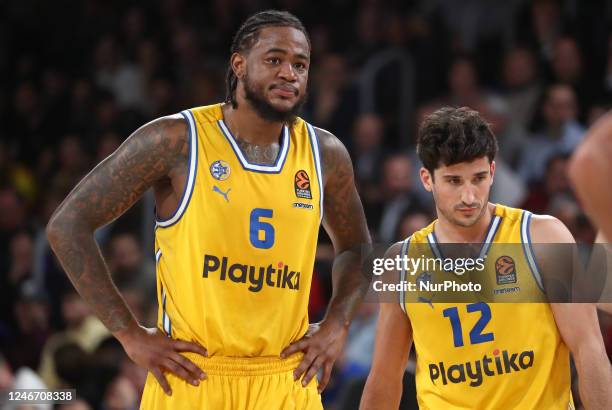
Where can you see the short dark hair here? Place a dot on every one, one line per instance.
(248, 34)
(452, 135)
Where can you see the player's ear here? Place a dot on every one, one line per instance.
(426, 179)
(492, 171)
(238, 63)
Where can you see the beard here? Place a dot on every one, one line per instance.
(466, 223)
(255, 96)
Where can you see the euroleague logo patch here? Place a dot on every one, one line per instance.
(302, 185)
(505, 270)
(220, 170)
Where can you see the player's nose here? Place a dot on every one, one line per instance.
(467, 196)
(287, 72)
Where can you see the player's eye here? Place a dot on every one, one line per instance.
(273, 60)
(299, 66)
(454, 181)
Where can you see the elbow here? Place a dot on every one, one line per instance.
(57, 227)
(64, 226)
(53, 230)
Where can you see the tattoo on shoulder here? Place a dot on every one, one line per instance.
(153, 152)
(337, 166)
(343, 212)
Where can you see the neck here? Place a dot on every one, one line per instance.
(448, 232)
(248, 126)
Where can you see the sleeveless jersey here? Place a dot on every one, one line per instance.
(235, 261)
(482, 354)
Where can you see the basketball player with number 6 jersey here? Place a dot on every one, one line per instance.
(241, 189)
(480, 355)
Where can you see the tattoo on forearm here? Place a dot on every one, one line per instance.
(344, 220)
(152, 153)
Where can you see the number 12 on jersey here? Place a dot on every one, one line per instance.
(476, 335)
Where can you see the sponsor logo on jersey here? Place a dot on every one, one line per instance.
(474, 372)
(278, 275)
(505, 270)
(301, 183)
(220, 192)
(425, 278)
(220, 170)
(502, 291)
(302, 205)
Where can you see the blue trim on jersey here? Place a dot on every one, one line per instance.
(535, 261)
(489, 239)
(191, 176)
(484, 246)
(165, 316)
(528, 250)
(316, 152)
(164, 309)
(433, 245)
(253, 166)
(402, 294)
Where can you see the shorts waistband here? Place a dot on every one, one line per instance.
(244, 366)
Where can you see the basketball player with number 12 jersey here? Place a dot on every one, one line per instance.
(477, 352)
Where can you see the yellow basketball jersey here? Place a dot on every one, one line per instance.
(483, 354)
(234, 263)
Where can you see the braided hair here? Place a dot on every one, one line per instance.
(248, 34)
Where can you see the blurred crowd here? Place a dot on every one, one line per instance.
(79, 77)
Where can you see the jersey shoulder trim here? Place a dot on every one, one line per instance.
(191, 175)
(316, 152)
(528, 249)
(402, 293)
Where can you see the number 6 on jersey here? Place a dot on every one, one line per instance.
(256, 226)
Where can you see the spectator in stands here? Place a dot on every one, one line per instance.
(568, 68)
(559, 132)
(115, 74)
(82, 329)
(414, 219)
(331, 101)
(397, 194)
(368, 154)
(521, 88)
(556, 182)
(23, 347)
(463, 83)
(128, 266)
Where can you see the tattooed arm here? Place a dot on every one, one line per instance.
(155, 155)
(344, 220)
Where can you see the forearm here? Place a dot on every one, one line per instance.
(80, 256)
(349, 286)
(381, 393)
(595, 377)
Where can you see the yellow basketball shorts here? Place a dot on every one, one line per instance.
(259, 383)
